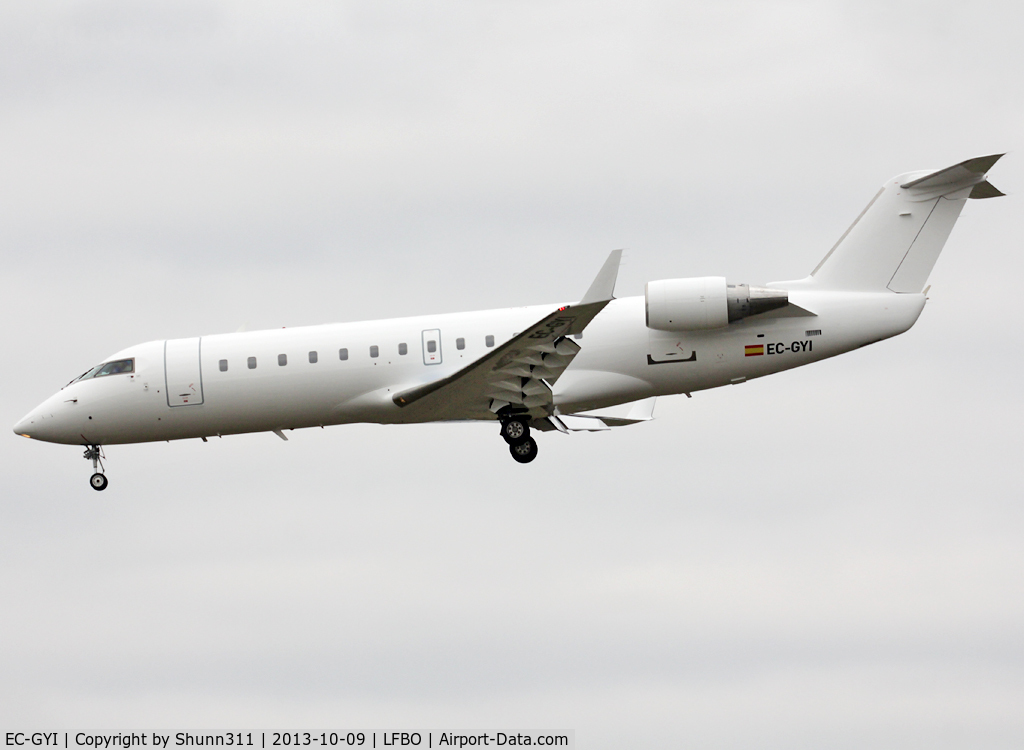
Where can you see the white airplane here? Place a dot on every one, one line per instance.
(529, 368)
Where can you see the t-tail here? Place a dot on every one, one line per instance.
(894, 243)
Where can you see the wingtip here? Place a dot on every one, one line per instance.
(603, 288)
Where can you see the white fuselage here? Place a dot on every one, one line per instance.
(620, 360)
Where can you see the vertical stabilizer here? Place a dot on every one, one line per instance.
(896, 240)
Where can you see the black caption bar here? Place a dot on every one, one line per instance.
(322, 738)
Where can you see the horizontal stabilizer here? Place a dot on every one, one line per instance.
(963, 174)
(986, 190)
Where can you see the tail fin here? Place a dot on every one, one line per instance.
(896, 240)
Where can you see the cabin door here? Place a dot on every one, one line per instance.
(432, 347)
(182, 376)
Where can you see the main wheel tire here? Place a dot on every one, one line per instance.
(98, 482)
(525, 451)
(515, 431)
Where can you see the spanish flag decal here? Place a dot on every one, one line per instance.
(753, 351)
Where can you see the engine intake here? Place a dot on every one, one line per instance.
(706, 302)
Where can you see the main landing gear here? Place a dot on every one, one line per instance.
(98, 481)
(515, 430)
(524, 452)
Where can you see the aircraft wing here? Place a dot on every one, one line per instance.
(517, 375)
(640, 411)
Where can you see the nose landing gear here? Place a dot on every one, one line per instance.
(98, 481)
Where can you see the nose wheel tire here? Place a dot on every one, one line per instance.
(525, 451)
(94, 453)
(515, 431)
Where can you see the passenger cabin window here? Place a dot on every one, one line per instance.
(403, 349)
(252, 363)
(282, 360)
(431, 346)
(460, 343)
(223, 365)
(343, 354)
(312, 358)
(489, 340)
(374, 351)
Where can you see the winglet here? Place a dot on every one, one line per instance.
(643, 410)
(603, 288)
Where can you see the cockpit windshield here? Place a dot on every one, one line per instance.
(117, 367)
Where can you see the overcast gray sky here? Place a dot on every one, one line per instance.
(827, 557)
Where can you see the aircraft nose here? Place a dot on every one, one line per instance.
(24, 426)
(47, 422)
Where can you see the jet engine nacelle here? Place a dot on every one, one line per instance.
(706, 302)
